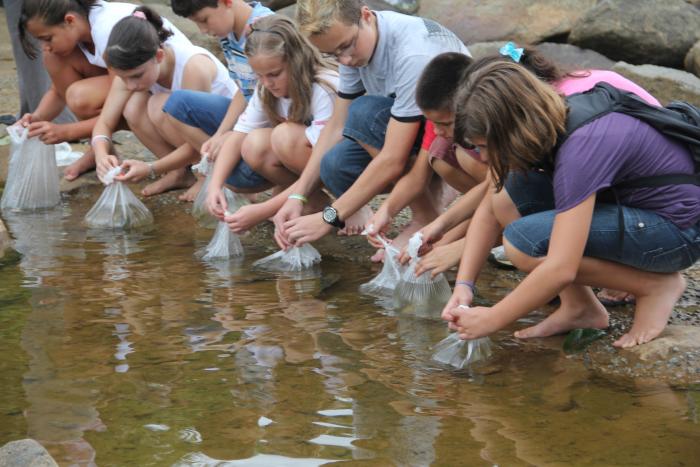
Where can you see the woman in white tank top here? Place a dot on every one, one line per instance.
(149, 62)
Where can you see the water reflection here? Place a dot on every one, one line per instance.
(138, 353)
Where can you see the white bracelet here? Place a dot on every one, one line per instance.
(100, 137)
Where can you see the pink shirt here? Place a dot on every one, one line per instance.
(572, 85)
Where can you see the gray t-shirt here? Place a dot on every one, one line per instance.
(405, 45)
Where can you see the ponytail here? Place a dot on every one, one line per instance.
(134, 40)
(51, 13)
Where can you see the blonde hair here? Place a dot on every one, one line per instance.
(518, 115)
(317, 16)
(276, 35)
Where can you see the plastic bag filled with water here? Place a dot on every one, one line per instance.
(223, 245)
(199, 208)
(385, 282)
(293, 260)
(422, 295)
(117, 207)
(461, 353)
(32, 175)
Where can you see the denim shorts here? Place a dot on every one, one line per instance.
(206, 111)
(651, 242)
(367, 122)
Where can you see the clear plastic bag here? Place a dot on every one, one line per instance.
(384, 283)
(422, 295)
(199, 208)
(461, 353)
(293, 260)
(223, 245)
(32, 175)
(117, 207)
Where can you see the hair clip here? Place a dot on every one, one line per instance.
(509, 50)
(139, 14)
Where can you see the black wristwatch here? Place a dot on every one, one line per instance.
(330, 216)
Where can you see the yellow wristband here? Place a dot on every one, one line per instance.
(301, 198)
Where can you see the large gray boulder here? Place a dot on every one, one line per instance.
(692, 60)
(523, 21)
(25, 453)
(639, 31)
(666, 84)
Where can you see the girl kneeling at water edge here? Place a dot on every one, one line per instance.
(148, 62)
(561, 227)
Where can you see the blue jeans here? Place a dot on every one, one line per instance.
(368, 119)
(651, 242)
(206, 111)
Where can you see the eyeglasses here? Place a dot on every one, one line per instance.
(347, 50)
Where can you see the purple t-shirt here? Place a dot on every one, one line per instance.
(618, 147)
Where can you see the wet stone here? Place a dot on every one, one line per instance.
(25, 453)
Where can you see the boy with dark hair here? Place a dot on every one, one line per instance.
(376, 124)
(460, 168)
(204, 120)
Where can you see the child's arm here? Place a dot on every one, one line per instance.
(211, 147)
(228, 159)
(554, 273)
(105, 125)
(50, 105)
(405, 191)
(199, 73)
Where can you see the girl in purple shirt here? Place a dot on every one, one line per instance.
(561, 228)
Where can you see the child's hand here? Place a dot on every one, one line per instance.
(432, 233)
(48, 132)
(133, 171)
(105, 164)
(460, 296)
(291, 209)
(380, 222)
(476, 322)
(25, 120)
(212, 146)
(440, 259)
(244, 219)
(216, 203)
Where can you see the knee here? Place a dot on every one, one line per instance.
(79, 102)
(253, 150)
(134, 111)
(155, 108)
(288, 141)
(503, 208)
(520, 259)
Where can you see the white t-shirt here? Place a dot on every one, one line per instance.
(102, 18)
(322, 100)
(222, 85)
(405, 45)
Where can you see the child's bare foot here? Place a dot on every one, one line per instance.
(82, 165)
(407, 232)
(355, 224)
(172, 180)
(652, 311)
(192, 192)
(567, 317)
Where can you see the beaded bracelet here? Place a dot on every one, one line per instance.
(469, 284)
(301, 198)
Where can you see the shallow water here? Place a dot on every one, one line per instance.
(126, 350)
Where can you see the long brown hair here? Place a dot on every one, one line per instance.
(276, 35)
(518, 115)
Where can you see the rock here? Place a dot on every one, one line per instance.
(25, 453)
(692, 60)
(407, 6)
(666, 84)
(672, 358)
(639, 31)
(5, 240)
(522, 21)
(483, 49)
(190, 30)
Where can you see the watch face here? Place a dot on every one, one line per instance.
(329, 214)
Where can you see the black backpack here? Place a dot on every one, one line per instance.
(678, 120)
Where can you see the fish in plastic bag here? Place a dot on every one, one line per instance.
(462, 353)
(32, 175)
(117, 207)
(385, 282)
(223, 245)
(293, 260)
(422, 295)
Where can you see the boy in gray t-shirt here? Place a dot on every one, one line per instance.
(376, 124)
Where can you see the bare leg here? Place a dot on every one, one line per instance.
(258, 151)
